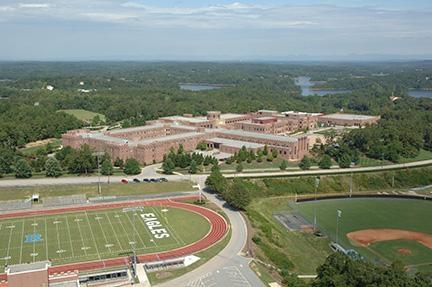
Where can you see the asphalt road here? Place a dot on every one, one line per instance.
(229, 267)
(149, 172)
(332, 171)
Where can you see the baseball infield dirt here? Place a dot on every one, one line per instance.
(367, 237)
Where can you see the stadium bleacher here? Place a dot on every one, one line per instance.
(15, 205)
(64, 200)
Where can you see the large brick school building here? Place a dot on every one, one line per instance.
(226, 132)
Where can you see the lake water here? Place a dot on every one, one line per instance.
(420, 94)
(307, 85)
(198, 87)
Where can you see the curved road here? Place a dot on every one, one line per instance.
(229, 259)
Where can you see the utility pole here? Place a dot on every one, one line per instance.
(317, 182)
(99, 175)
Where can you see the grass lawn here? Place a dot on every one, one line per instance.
(258, 165)
(83, 115)
(359, 214)
(91, 190)
(93, 235)
(34, 147)
(305, 251)
(423, 155)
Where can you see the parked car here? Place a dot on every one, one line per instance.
(124, 180)
(163, 179)
(153, 179)
(146, 180)
(136, 180)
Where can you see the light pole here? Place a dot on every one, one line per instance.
(317, 182)
(99, 174)
(338, 215)
(351, 186)
(199, 191)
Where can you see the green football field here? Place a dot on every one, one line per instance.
(359, 214)
(93, 235)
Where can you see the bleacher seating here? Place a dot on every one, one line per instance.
(64, 200)
(15, 205)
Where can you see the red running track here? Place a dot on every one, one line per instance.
(218, 230)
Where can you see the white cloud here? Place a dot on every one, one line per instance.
(6, 8)
(108, 17)
(33, 5)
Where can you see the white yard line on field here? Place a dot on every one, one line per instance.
(70, 236)
(169, 227)
(10, 238)
(114, 232)
(107, 244)
(46, 238)
(22, 240)
(91, 231)
(80, 233)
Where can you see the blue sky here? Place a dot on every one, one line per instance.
(215, 30)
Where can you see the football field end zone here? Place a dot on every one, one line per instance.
(218, 229)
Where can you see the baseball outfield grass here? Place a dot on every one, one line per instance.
(93, 235)
(362, 214)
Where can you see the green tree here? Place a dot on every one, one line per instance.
(132, 167)
(193, 168)
(283, 165)
(202, 146)
(168, 166)
(345, 161)
(274, 153)
(265, 151)
(107, 167)
(180, 149)
(22, 169)
(53, 167)
(237, 194)
(270, 157)
(239, 167)
(81, 161)
(119, 163)
(6, 160)
(216, 181)
(325, 162)
(305, 163)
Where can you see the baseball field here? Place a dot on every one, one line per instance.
(381, 230)
(98, 234)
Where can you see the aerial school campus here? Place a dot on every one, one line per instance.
(110, 240)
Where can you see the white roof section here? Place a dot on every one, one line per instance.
(349, 117)
(28, 267)
(258, 135)
(104, 137)
(268, 111)
(135, 129)
(231, 116)
(187, 119)
(236, 143)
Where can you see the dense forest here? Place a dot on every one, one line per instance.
(133, 92)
